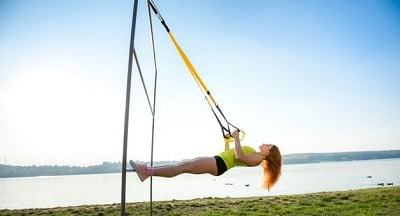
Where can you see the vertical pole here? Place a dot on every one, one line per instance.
(154, 106)
(126, 123)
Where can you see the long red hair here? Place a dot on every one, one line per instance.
(272, 167)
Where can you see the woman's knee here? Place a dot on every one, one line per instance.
(186, 166)
(197, 166)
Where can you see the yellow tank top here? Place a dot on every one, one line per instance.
(230, 159)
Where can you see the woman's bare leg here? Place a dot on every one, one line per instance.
(199, 165)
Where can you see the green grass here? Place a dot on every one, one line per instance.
(376, 201)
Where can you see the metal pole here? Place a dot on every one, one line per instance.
(154, 105)
(128, 96)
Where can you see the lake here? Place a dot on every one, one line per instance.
(74, 190)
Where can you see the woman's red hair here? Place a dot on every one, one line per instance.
(272, 167)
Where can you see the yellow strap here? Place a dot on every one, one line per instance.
(227, 145)
(193, 71)
(200, 82)
(191, 68)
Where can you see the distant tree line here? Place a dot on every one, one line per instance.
(341, 156)
(8, 171)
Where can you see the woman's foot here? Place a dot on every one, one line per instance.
(140, 170)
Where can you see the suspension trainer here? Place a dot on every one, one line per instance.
(226, 127)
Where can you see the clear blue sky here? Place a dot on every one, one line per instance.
(308, 76)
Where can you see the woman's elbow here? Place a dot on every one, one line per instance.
(248, 161)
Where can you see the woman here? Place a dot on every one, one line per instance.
(269, 156)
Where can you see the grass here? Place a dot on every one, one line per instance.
(375, 201)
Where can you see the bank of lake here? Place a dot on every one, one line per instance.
(373, 201)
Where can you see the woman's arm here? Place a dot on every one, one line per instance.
(238, 147)
(251, 159)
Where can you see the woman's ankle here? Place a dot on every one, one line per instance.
(149, 171)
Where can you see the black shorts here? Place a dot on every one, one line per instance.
(221, 166)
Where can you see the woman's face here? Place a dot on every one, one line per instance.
(264, 148)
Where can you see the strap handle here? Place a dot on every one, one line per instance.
(229, 139)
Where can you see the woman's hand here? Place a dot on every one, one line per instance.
(235, 134)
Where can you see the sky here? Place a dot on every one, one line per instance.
(308, 76)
